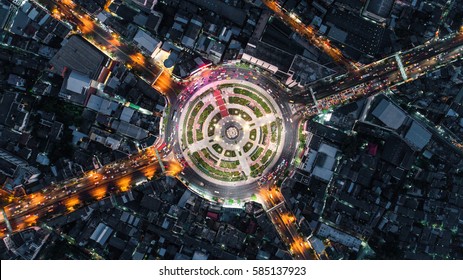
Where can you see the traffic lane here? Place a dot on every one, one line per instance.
(102, 36)
(289, 234)
(214, 190)
(413, 57)
(353, 79)
(83, 197)
(55, 192)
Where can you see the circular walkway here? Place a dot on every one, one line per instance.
(231, 132)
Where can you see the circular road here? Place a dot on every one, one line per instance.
(232, 128)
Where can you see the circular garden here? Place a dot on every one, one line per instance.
(231, 132)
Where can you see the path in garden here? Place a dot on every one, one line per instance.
(220, 103)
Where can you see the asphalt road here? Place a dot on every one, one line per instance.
(105, 40)
(64, 197)
(285, 224)
(385, 73)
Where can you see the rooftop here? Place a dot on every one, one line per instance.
(77, 82)
(77, 54)
(381, 8)
(418, 136)
(146, 41)
(389, 114)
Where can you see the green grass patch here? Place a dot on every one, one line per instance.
(274, 129)
(255, 155)
(211, 130)
(252, 134)
(214, 172)
(216, 118)
(238, 100)
(191, 121)
(247, 147)
(255, 170)
(206, 112)
(229, 164)
(208, 155)
(199, 135)
(264, 130)
(230, 153)
(217, 148)
(255, 97)
(266, 157)
(244, 102)
(237, 112)
(189, 135)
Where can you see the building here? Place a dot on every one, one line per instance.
(216, 51)
(129, 130)
(75, 88)
(79, 55)
(192, 32)
(12, 112)
(18, 170)
(105, 138)
(20, 22)
(278, 51)
(101, 105)
(4, 14)
(321, 162)
(389, 114)
(147, 43)
(338, 236)
(378, 10)
(417, 136)
(147, 5)
(101, 234)
(189, 66)
(26, 244)
(235, 15)
(153, 22)
(355, 34)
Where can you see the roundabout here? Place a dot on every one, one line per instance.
(231, 134)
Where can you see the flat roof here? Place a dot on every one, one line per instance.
(77, 82)
(21, 20)
(101, 105)
(362, 35)
(269, 54)
(418, 136)
(4, 11)
(389, 114)
(77, 54)
(381, 8)
(337, 34)
(146, 41)
(130, 130)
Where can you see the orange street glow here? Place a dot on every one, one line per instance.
(123, 184)
(87, 25)
(99, 192)
(68, 3)
(149, 172)
(107, 4)
(174, 167)
(71, 202)
(31, 220)
(138, 59)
